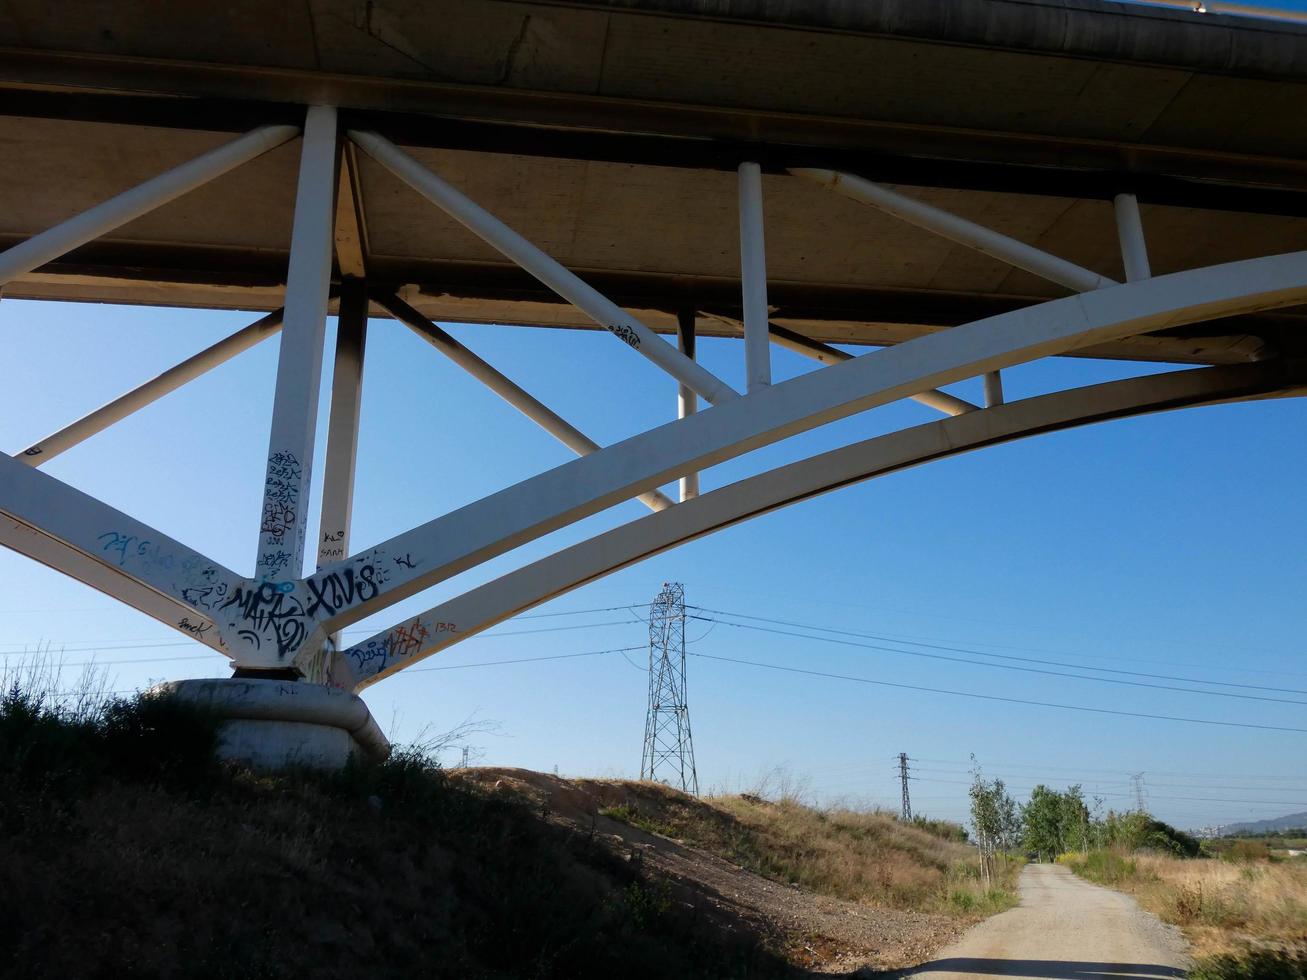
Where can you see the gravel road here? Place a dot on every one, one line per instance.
(1064, 929)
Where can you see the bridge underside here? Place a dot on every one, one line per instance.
(968, 184)
(609, 133)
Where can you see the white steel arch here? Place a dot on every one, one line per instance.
(388, 651)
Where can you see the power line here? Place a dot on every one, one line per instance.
(995, 697)
(1026, 670)
(1121, 772)
(1124, 776)
(1007, 646)
(524, 660)
(982, 653)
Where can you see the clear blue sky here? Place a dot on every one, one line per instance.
(1171, 545)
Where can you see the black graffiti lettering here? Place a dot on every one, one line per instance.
(267, 611)
(340, 589)
(197, 597)
(195, 629)
(626, 334)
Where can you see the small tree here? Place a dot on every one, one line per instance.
(1074, 822)
(1042, 820)
(993, 818)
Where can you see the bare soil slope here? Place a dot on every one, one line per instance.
(823, 933)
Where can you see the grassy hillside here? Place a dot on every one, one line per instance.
(868, 857)
(126, 850)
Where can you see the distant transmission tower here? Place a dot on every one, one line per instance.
(1137, 785)
(668, 749)
(903, 778)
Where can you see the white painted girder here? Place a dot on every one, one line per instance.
(71, 531)
(958, 229)
(44, 450)
(22, 258)
(391, 650)
(552, 273)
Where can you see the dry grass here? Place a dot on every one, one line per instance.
(1226, 908)
(863, 856)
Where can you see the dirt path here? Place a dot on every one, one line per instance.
(1064, 929)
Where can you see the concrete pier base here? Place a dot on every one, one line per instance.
(272, 724)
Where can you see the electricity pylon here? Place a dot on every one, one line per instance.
(668, 749)
(903, 778)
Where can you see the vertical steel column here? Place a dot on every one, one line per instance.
(299, 366)
(1130, 231)
(343, 424)
(753, 279)
(993, 389)
(687, 402)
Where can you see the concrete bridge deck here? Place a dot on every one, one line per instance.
(608, 132)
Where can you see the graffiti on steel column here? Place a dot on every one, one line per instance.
(272, 562)
(406, 562)
(407, 640)
(281, 492)
(141, 550)
(278, 617)
(333, 545)
(197, 630)
(207, 595)
(624, 333)
(330, 593)
(269, 612)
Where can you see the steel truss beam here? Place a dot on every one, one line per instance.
(960, 230)
(44, 450)
(500, 237)
(36, 251)
(389, 651)
(941, 401)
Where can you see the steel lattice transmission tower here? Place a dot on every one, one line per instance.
(668, 748)
(903, 778)
(1141, 795)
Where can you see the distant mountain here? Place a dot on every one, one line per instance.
(1293, 821)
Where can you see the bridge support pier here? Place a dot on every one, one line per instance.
(272, 724)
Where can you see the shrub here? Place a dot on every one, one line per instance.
(1105, 867)
(1247, 851)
